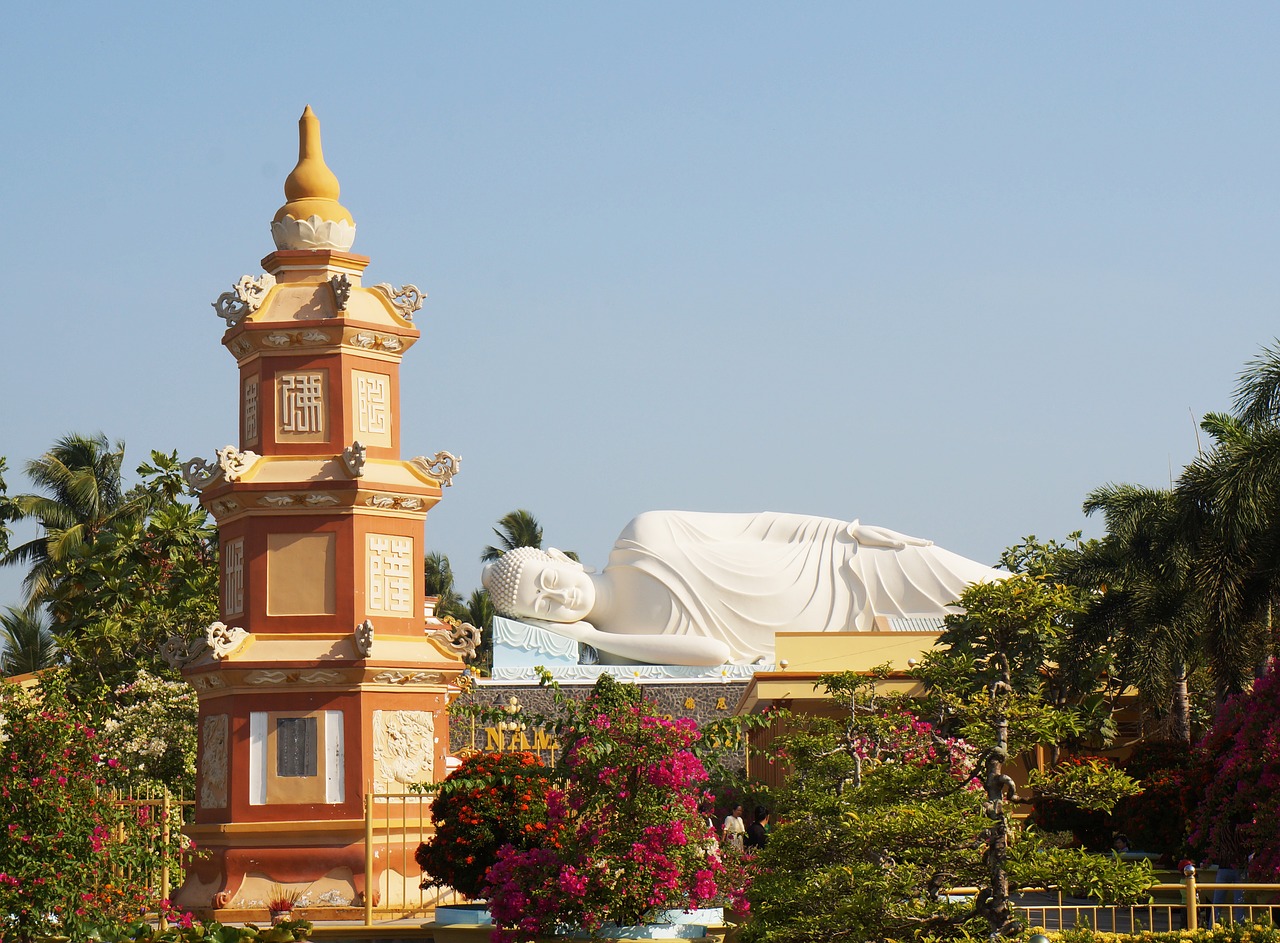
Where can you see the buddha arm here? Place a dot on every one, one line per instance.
(649, 649)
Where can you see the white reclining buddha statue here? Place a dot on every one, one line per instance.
(697, 588)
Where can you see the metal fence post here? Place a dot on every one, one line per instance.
(164, 858)
(1193, 906)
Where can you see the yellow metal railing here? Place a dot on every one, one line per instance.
(159, 819)
(1189, 904)
(394, 825)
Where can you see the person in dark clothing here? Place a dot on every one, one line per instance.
(758, 831)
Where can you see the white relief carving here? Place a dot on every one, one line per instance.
(411, 504)
(403, 749)
(224, 506)
(313, 233)
(301, 403)
(442, 466)
(233, 577)
(213, 763)
(232, 463)
(251, 409)
(313, 337)
(320, 500)
(371, 403)
(380, 501)
(266, 677)
(244, 298)
(364, 639)
(208, 682)
(391, 676)
(320, 676)
(353, 459)
(275, 676)
(363, 339)
(407, 298)
(341, 286)
(390, 569)
(460, 638)
(235, 463)
(197, 473)
(278, 340)
(389, 342)
(225, 640)
(178, 651)
(277, 500)
(240, 346)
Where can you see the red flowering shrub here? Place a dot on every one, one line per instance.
(1155, 819)
(625, 837)
(64, 841)
(491, 800)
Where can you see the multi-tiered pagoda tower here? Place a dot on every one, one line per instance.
(323, 682)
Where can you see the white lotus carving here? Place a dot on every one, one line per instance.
(313, 233)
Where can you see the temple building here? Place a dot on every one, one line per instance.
(323, 685)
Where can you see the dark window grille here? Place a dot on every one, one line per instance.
(296, 751)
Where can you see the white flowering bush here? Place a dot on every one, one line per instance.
(152, 724)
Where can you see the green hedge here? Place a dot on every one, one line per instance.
(287, 931)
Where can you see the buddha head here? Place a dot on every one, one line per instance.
(528, 583)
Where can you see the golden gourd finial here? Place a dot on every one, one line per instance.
(313, 218)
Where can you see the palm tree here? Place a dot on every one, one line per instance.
(438, 580)
(516, 529)
(479, 612)
(1146, 598)
(5, 513)
(26, 641)
(1231, 499)
(81, 479)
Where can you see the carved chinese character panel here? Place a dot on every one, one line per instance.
(371, 396)
(389, 569)
(302, 406)
(233, 577)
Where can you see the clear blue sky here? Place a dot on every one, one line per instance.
(943, 267)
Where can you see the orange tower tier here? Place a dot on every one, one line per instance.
(323, 682)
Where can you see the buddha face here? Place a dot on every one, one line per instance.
(555, 591)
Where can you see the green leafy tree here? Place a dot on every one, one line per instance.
(1006, 632)
(877, 819)
(26, 642)
(141, 578)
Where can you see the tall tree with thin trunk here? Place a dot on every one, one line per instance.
(438, 581)
(1142, 572)
(80, 495)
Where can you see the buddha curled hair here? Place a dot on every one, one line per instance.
(502, 577)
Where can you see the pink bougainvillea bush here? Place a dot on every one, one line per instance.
(69, 853)
(624, 835)
(1234, 785)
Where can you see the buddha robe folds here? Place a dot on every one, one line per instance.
(741, 578)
